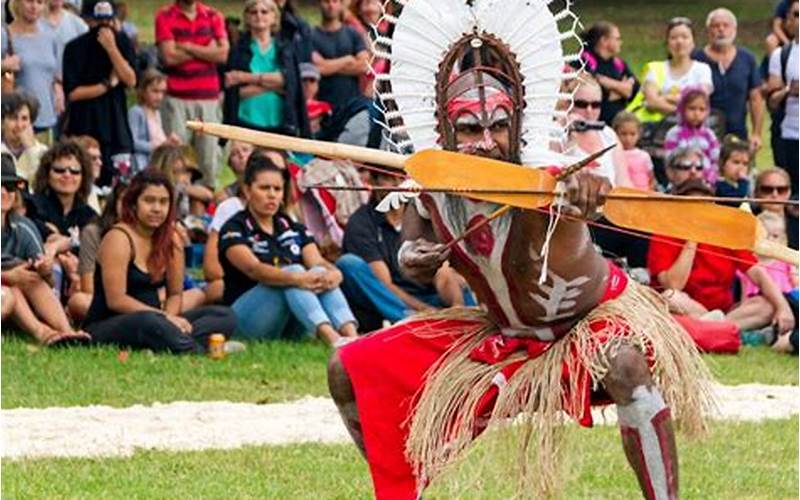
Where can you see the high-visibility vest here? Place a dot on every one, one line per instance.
(638, 105)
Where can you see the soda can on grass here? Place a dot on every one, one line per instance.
(216, 346)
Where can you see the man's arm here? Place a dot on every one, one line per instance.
(755, 103)
(171, 55)
(357, 65)
(215, 52)
(122, 69)
(677, 275)
(328, 67)
(421, 255)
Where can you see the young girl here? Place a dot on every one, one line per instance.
(734, 168)
(691, 130)
(145, 118)
(640, 165)
(783, 274)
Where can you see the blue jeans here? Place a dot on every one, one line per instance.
(267, 312)
(363, 287)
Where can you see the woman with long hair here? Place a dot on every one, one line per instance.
(272, 264)
(137, 257)
(262, 81)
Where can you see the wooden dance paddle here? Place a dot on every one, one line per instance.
(645, 211)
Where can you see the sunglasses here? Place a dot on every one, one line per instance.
(581, 104)
(688, 165)
(64, 170)
(781, 190)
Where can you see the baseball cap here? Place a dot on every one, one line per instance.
(9, 170)
(98, 10)
(309, 71)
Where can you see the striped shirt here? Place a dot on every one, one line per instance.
(196, 78)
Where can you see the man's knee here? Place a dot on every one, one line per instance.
(339, 384)
(628, 369)
(350, 263)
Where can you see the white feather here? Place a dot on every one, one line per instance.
(397, 199)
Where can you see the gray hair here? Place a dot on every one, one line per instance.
(721, 11)
(680, 153)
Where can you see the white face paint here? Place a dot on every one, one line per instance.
(559, 298)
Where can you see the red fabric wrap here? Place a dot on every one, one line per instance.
(388, 368)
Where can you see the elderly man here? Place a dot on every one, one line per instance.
(736, 77)
(684, 164)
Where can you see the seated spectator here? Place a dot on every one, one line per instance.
(271, 263)
(782, 273)
(237, 160)
(144, 118)
(179, 164)
(640, 165)
(773, 183)
(317, 110)
(693, 132)
(698, 279)
(137, 257)
(588, 135)
(602, 44)
(212, 268)
(782, 90)
(98, 67)
(28, 297)
(684, 164)
(40, 64)
(263, 89)
(664, 80)
(734, 169)
(92, 149)
(19, 140)
(373, 283)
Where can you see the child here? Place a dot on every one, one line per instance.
(317, 110)
(145, 118)
(692, 131)
(734, 167)
(783, 274)
(640, 165)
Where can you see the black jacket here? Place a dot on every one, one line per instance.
(295, 117)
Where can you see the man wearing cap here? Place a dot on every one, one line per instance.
(317, 110)
(98, 66)
(192, 41)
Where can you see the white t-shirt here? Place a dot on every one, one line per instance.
(604, 166)
(789, 127)
(225, 211)
(699, 74)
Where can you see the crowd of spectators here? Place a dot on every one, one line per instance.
(122, 226)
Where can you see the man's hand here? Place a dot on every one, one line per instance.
(420, 259)
(182, 323)
(586, 193)
(755, 143)
(106, 38)
(43, 266)
(12, 63)
(22, 276)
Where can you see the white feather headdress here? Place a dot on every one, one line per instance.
(425, 31)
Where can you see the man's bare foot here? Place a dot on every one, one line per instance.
(782, 344)
(67, 338)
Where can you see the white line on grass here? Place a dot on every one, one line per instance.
(102, 431)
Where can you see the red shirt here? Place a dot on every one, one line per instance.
(193, 79)
(713, 271)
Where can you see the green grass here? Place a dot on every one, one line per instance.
(749, 460)
(267, 372)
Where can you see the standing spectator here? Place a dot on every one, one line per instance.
(368, 15)
(192, 41)
(126, 26)
(11, 63)
(18, 114)
(137, 257)
(145, 117)
(98, 68)
(692, 131)
(340, 55)
(66, 25)
(40, 65)
(317, 110)
(664, 80)
(271, 263)
(782, 89)
(640, 165)
(777, 36)
(27, 272)
(295, 30)
(263, 80)
(737, 82)
(602, 45)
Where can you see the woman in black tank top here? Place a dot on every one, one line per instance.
(135, 259)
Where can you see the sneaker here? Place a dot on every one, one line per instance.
(232, 346)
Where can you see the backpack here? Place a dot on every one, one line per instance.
(779, 114)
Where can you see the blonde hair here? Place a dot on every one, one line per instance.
(149, 77)
(774, 170)
(249, 4)
(771, 220)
